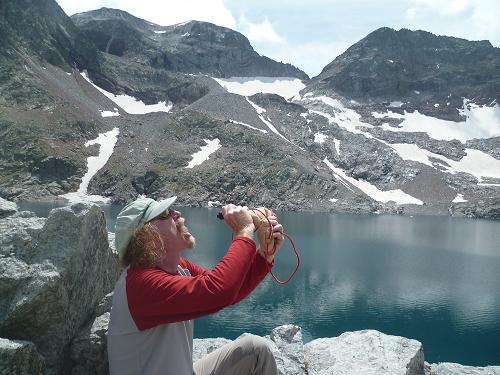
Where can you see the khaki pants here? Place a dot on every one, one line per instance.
(249, 355)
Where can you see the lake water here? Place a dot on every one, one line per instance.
(434, 279)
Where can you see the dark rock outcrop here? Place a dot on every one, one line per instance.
(7, 208)
(191, 47)
(20, 358)
(416, 65)
(53, 273)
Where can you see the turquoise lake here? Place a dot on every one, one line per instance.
(434, 279)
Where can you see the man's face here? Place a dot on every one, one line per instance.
(173, 231)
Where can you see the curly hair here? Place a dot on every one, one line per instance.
(144, 248)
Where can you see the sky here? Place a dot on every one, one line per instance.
(310, 34)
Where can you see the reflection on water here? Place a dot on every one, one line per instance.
(435, 279)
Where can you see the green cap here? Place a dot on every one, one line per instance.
(135, 214)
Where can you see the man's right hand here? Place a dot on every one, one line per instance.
(239, 220)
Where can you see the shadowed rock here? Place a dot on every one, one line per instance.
(20, 358)
(53, 272)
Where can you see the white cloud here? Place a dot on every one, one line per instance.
(473, 20)
(311, 57)
(259, 32)
(443, 7)
(161, 12)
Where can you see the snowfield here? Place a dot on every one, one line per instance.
(130, 104)
(106, 142)
(248, 86)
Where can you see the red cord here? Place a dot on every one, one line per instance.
(274, 249)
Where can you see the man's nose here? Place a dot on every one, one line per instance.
(176, 214)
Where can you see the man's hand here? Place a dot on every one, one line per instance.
(270, 241)
(239, 220)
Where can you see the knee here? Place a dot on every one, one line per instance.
(257, 344)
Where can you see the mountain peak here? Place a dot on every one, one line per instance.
(189, 47)
(393, 64)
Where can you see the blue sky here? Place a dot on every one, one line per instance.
(311, 33)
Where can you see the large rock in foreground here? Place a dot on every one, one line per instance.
(20, 358)
(7, 208)
(285, 343)
(53, 273)
(366, 352)
(456, 369)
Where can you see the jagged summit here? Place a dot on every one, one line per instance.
(189, 47)
(389, 64)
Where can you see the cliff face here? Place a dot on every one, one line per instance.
(390, 65)
(53, 274)
(402, 122)
(191, 47)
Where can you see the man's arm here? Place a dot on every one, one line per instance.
(156, 297)
(258, 271)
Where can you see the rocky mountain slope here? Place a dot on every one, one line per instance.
(416, 67)
(403, 121)
(190, 47)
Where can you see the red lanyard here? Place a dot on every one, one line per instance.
(273, 251)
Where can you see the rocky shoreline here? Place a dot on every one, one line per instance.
(56, 275)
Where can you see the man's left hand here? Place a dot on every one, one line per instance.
(269, 245)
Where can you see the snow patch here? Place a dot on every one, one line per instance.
(130, 104)
(246, 86)
(214, 204)
(396, 104)
(106, 142)
(110, 113)
(347, 124)
(260, 111)
(248, 126)
(397, 196)
(480, 122)
(477, 163)
(160, 31)
(181, 24)
(337, 145)
(333, 200)
(459, 198)
(320, 137)
(485, 184)
(343, 116)
(205, 152)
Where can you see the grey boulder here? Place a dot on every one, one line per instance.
(285, 343)
(89, 348)
(53, 273)
(20, 358)
(446, 368)
(365, 352)
(7, 208)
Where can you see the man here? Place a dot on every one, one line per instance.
(159, 292)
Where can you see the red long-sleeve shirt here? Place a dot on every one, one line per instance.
(156, 297)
